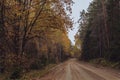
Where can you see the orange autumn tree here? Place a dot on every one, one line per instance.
(22, 17)
(27, 29)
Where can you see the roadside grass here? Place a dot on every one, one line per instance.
(36, 74)
(31, 75)
(4, 76)
(105, 63)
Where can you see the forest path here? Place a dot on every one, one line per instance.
(75, 70)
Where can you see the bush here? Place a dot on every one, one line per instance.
(17, 73)
(100, 61)
(36, 65)
(39, 63)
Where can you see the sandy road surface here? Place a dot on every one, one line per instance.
(74, 70)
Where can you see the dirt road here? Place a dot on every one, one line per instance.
(74, 70)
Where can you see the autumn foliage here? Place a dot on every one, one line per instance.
(33, 33)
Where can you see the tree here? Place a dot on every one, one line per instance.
(98, 32)
(26, 30)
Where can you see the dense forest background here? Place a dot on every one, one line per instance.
(99, 31)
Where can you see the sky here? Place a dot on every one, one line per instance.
(78, 6)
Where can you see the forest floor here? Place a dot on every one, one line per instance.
(75, 70)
